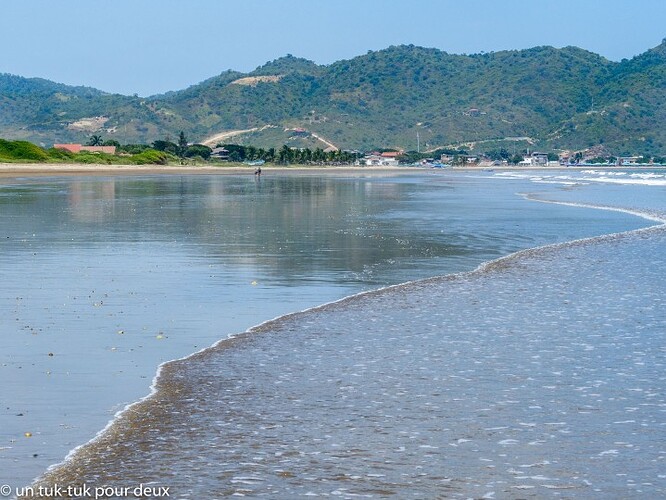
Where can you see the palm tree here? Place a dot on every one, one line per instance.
(95, 140)
(182, 144)
(285, 155)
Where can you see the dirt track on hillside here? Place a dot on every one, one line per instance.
(213, 140)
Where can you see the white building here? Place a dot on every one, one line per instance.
(379, 160)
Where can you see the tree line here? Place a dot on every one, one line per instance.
(286, 155)
(181, 149)
(236, 153)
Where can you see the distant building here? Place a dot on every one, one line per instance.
(627, 160)
(565, 158)
(379, 160)
(540, 159)
(469, 158)
(77, 148)
(535, 160)
(300, 132)
(220, 153)
(390, 154)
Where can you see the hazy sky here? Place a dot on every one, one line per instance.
(153, 46)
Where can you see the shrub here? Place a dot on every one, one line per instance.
(94, 158)
(198, 150)
(59, 154)
(21, 150)
(150, 156)
(133, 149)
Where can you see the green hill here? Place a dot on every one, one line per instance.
(543, 97)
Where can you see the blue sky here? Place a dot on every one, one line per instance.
(153, 46)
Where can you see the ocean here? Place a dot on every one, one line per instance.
(482, 335)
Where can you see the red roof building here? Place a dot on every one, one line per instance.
(77, 148)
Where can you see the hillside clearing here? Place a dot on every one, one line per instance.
(252, 81)
(213, 140)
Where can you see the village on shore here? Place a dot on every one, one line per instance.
(184, 153)
(595, 156)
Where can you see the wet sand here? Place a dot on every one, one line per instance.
(42, 170)
(9, 170)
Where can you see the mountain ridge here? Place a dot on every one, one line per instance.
(567, 98)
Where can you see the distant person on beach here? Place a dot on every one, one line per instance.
(257, 172)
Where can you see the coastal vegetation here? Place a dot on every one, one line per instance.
(286, 155)
(404, 97)
(22, 151)
(165, 152)
(26, 152)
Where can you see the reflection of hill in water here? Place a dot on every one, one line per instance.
(293, 227)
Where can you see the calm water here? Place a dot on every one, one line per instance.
(114, 276)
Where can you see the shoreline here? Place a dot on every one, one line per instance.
(12, 170)
(9, 170)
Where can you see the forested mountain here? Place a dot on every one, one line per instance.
(542, 97)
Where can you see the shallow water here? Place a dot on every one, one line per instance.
(541, 377)
(114, 276)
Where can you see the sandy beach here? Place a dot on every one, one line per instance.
(51, 169)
